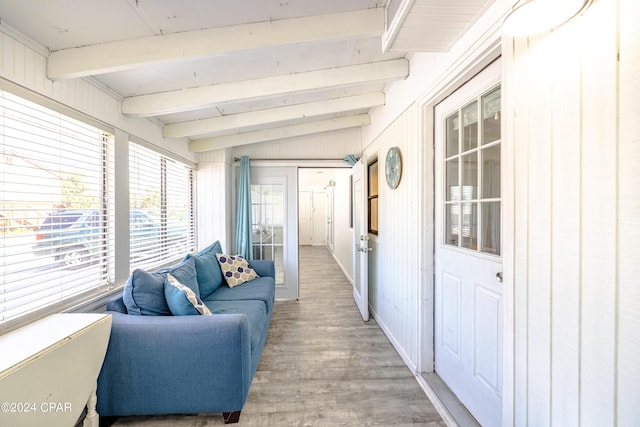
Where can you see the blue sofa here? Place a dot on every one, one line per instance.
(161, 363)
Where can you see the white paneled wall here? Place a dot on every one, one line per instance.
(24, 63)
(394, 273)
(328, 145)
(573, 119)
(214, 199)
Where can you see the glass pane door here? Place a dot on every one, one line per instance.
(472, 175)
(268, 221)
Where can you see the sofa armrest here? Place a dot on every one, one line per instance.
(264, 268)
(175, 364)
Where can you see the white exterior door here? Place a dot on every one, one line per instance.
(468, 264)
(274, 215)
(361, 240)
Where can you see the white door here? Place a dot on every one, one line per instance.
(275, 224)
(305, 218)
(468, 263)
(361, 240)
(319, 203)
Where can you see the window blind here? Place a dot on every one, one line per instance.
(56, 210)
(161, 208)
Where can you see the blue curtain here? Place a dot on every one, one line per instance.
(243, 214)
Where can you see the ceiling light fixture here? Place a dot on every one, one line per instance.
(537, 16)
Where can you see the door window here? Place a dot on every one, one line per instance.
(472, 175)
(268, 217)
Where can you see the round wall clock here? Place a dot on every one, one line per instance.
(393, 167)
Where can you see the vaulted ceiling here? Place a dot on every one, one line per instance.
(227, 73)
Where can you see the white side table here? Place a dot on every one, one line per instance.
(49, 369)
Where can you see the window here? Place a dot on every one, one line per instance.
(372, 195)
(268, 221)
(56, 210)
(161, 208)
(472, 175)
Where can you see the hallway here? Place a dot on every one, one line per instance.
(322, 365)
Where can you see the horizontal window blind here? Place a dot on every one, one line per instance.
(56, 210)
(162, 226)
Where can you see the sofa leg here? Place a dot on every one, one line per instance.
(231, 417)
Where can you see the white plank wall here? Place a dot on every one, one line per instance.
(214, 199)
(628, 298)
(24, 63)
(576, 141)
(394, 273)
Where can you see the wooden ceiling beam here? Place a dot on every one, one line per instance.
(129, 54)
(237, 122)
(283, 132)
(157, 104)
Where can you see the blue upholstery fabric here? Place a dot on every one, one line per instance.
(261, 289)
(144, 292)
(175, 365)
(255, 311)
(264, 268)
(186, 364)
(116, 303)
(208, 269)
(181, 300)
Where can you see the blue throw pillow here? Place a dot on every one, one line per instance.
(208, 269)
(181, 300)
(144, 292)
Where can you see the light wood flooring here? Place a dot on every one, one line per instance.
(322, 365)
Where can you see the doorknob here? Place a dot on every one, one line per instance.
(499, 277)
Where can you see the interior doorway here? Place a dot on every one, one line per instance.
(324, 212)
(316, 199)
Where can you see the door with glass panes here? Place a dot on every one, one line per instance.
(275, 224)
(468, 264)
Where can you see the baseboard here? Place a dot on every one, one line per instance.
(341, 267)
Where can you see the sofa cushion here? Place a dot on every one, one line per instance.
(144, 292)
(181, 300)
(235, 269)
(262, 289)
(254, 310)
(208, 269)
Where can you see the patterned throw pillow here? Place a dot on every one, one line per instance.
(235, 269)
(182, 301)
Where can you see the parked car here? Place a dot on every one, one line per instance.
(73, 236)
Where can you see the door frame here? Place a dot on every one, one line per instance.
(288, 175)
(426, 354)
(361, 243)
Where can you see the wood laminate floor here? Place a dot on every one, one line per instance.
(322, 365)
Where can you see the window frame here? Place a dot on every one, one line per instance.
(171, 248)
(373, 193)
(38, 120)
(116, 178)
